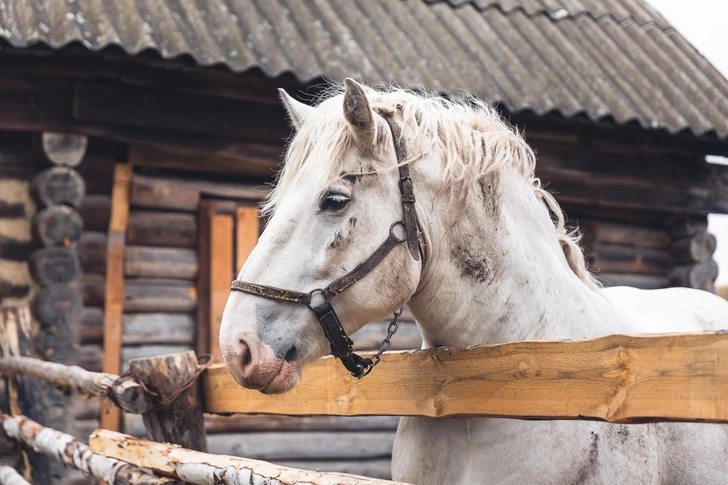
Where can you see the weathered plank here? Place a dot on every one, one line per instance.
(168, 229)
(247, 228)
(221, 274)
(114, 286)
(617, 378)
(180, 421)
(184, 195)
(204, 468)
(158, 328)
(159, 299)
(74, 454)
(152, 262)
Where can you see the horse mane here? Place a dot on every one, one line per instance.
(473, 139)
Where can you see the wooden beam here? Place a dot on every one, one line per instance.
(247, 228)
(114, 294)
(618, 378)
(205, 468)
(221, 275)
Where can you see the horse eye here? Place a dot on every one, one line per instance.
(333, 202)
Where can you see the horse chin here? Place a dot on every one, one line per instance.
(285, 380)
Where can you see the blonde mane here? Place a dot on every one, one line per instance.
(470, 136)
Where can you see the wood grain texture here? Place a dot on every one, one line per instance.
(154, 262)
(114, 294)
(180, 421)
(247, 228)
(158, 228)
(205, 468)
(618, 378)
(221, 275)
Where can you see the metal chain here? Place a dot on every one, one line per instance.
(386, 343)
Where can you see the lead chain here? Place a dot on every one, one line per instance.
(386, 343)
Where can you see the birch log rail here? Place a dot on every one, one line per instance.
(127, 394)
(618, 378)
(207, 469)
(74, 454)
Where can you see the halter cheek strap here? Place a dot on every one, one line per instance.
(341, 344)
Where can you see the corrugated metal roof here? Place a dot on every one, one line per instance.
(616, 59)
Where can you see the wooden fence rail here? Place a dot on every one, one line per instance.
(619, 378)
(207, 469)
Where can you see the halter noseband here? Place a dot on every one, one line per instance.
(341, 344)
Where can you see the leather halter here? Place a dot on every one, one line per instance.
(341, 344)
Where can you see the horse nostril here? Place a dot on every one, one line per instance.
(292, 354)
(246, 353)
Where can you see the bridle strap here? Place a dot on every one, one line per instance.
(341, 345)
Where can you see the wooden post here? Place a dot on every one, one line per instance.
(114, 297)
(29, 395)
(181, 421)
(221, 275)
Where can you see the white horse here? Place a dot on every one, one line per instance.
(497, 269)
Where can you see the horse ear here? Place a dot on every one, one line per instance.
(297, 111)
(358, 113)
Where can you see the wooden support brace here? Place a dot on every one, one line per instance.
(114, 297)
(181, 421)
(207, 469)
(618, 378)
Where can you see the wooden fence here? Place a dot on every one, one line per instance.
(619, 378)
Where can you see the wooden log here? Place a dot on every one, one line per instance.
(127, 394)
(646, 282)
(698, 248)
(95, 210)
(54, 264)
(15, 249)
(370, 337)
(617, 378)
(93, 289)
(151, 262)
(57, 225)
(682, 226)
(10, 290)
(184, 195)
(158, 328)
(28, 394)
(699, 275)
(205, 468)
(179, 421)
(131, 352)
(91, 357)
(311, 445)
(596, 231)
(614, 258)
(90, 327)
(59, 343)
(58, 185)
(12, 210)
(91, 251)
(159, 299)
(63, 149)
(9, 476)
(114, 286)
(166, 229)
(238, 423)
(72, 453)
(58, 305)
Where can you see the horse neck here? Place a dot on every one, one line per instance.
(497, 273)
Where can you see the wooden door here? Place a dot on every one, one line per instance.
(228, 233)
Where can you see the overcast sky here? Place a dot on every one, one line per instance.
(703, 24)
